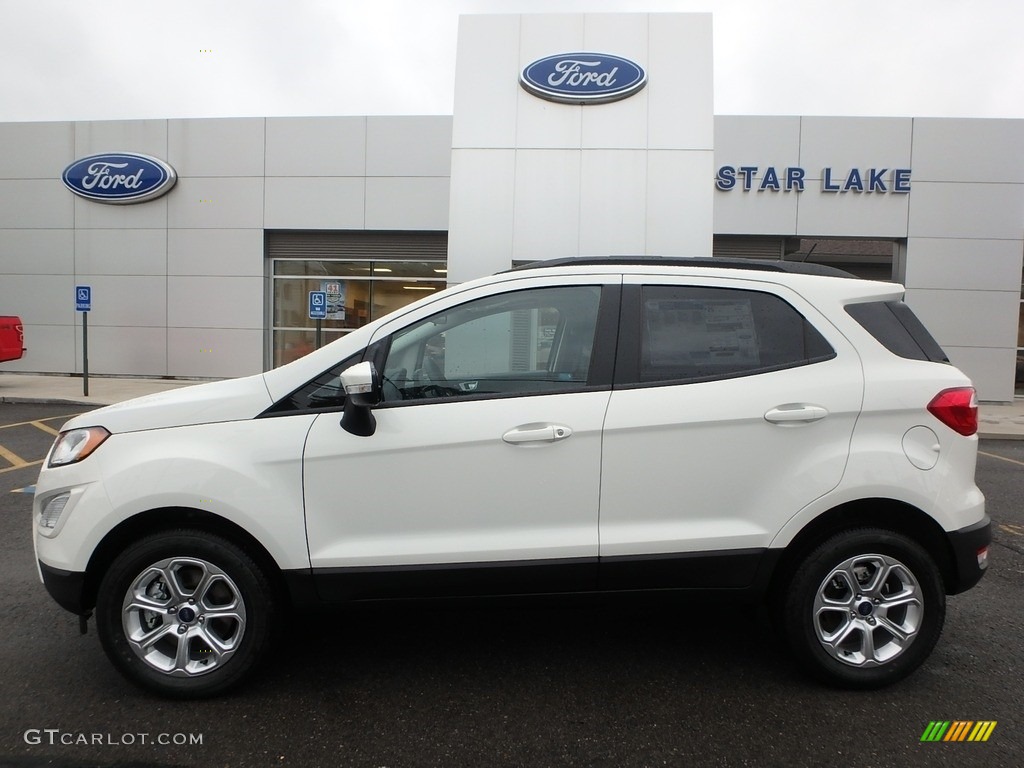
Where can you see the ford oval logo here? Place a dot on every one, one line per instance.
(583, 78)
(119, 177)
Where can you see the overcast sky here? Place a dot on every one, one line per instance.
(125, 59)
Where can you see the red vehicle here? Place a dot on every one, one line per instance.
(12, 338)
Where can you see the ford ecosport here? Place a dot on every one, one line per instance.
(584, 425)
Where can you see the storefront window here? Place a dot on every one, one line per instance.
(358, 291)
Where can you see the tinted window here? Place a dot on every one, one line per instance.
(690, 333)
(531, 341)
(897, 328)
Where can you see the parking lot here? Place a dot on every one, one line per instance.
(595, 684)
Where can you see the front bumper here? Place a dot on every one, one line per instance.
(969, 566)
(67, 588)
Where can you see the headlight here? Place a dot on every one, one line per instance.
(75, 444)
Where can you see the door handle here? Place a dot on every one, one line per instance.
(796, 413)
(536, 433)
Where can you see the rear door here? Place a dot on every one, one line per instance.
(734, 406)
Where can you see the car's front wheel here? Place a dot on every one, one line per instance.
(864, 609)
(184, 613)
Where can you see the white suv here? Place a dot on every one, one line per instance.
(587, 425)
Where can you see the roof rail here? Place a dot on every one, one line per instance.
(760, 265)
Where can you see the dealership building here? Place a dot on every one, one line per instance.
(571, 134)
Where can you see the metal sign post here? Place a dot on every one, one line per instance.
(318, 311)
(83, 304)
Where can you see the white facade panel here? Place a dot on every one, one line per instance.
(676, 208)
(757, 141)
(550, 33)
(217, 203)
(147, 137)
(35, 204)
(409, 146)
(92, 215)
(214, 352)
(51, 349)
(968, 210)
(120, 252)
(850, 214)
(680, 91)
(124, 350)
(38, 299)
(37, 251)
(544, 124)
(480, 217)
(613, 217)
(486, 43)
(43, 149)
(323, 203)
(581, 181)
(547, 204)
(125, 300)
(755, 213)
(226, 252)
(316, 146)
(404, 203)
(981, 151)
(541, 124)
(843, 143)
(620, 124)
(968, 318)
(214, 302)
(217, 147)
(974, 265)
(987, 368)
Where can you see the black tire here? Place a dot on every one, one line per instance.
(178, 650)
(864, 609)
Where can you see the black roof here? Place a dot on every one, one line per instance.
(760, 265)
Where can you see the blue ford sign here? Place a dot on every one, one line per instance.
(119, 177)
(583, 78)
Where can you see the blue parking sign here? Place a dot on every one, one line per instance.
(83, 298)
(317, 305)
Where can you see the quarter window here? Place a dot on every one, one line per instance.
(524, 342)
(694, 333)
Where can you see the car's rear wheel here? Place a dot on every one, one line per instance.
(184, 613)
(864, 609)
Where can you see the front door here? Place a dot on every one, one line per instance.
(483, 472)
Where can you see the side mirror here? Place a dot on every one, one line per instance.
(362, 386)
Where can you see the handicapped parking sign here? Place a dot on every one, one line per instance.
(83, 298)
(317, 305)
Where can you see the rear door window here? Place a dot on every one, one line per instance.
(698, 333)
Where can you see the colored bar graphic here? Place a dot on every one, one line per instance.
(982, 730)
(935, 731)
(958, 730)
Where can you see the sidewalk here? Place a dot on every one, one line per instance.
(30, 388)
(1003, 421)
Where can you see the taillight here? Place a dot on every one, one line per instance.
(956, 408)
